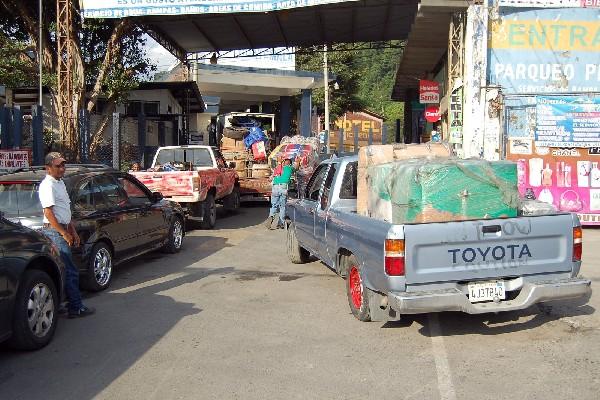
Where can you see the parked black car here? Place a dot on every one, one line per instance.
(115, 215)
(31, 282)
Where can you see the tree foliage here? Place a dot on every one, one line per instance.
(108, 56)
(365, 79)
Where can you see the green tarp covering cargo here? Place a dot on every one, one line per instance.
(439, 190)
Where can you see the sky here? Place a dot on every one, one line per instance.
(163, 60)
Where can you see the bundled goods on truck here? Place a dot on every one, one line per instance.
(423, 183)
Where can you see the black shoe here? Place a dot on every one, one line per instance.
(82, 312)
(280, 226)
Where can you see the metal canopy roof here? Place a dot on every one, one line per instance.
(426, 45)
(241, 87)
(348, 22)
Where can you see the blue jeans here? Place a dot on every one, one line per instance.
(279, 194)
(71, 270)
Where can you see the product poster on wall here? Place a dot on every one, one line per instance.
(567, 178)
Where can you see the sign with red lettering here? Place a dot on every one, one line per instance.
(14, 159)
(432, 114)
(429, 92)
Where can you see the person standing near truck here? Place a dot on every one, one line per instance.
(279, 192)
(60, 230)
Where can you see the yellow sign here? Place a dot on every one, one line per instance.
(546, 35)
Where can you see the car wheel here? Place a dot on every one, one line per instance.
(209, 208)
(356, 291)
(175, 239)
(232, 201)
(296, 253)
(34, 318)
(99, 272)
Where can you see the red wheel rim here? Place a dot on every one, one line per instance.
(355, 287)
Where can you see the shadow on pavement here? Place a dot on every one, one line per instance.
(88, 354)
(457, 323)
(249, 214)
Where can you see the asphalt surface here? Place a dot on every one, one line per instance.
(231, 318)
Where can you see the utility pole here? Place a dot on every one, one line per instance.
(64, 27)
(326, 77)
(40, 51)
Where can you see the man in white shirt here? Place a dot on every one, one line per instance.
(60, 230)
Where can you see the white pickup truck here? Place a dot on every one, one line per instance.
(476, 266)
(196, 177)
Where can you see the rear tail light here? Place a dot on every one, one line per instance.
(195, 183)
(394, 257)
(577, 243)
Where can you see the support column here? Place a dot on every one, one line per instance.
(37, 128)
(116, 141)
(266, 107)
(84, 135)
(161, 133)
(4, 126)
(17, 128)
(142, 139)
(286, 116)
(398, 132)
(475, 81)
(305, 112)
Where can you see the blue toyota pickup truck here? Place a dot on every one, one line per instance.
(475, 266)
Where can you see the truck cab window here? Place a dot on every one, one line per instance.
(348, 189)
(327, 187)
(314, 185)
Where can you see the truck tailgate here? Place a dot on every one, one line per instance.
(473, 250)
(168, 183)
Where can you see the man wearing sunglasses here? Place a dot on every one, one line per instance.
(60, 230)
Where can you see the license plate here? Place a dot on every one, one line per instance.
(486, 291)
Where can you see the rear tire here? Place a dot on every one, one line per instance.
(209, 212)
(100, 268)
(296, 253)
(356, 291)
(231, 202)
(35, 314)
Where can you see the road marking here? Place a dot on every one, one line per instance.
(444, 377)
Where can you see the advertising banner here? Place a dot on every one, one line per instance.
(129, 8)
(545, 50)
(429, 92)
(567, 178)
(567, 121)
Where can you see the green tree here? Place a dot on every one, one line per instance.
(107, 58)
(341, 64)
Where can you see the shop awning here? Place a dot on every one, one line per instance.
(426, 45)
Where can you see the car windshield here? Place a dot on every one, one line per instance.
(20, 199)
(184, 159)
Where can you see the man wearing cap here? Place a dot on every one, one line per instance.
(60, 230)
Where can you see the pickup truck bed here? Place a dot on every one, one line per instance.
(476, 266)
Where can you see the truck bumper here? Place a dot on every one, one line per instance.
(454, 300)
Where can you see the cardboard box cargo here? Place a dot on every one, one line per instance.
(381, 154)
(441, 190)
(228, 143)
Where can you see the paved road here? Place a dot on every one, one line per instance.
(230, 318)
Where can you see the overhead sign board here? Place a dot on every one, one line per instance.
(131, 8)
(429, 92)
(545, 51)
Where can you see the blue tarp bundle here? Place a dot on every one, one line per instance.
(255, 134)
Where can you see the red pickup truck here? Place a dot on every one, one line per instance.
(197, 177)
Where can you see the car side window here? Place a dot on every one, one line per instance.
(135, 194)
(315, 182)
(84, 197)
(115, 195)
(348, 189)
(327, 186)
